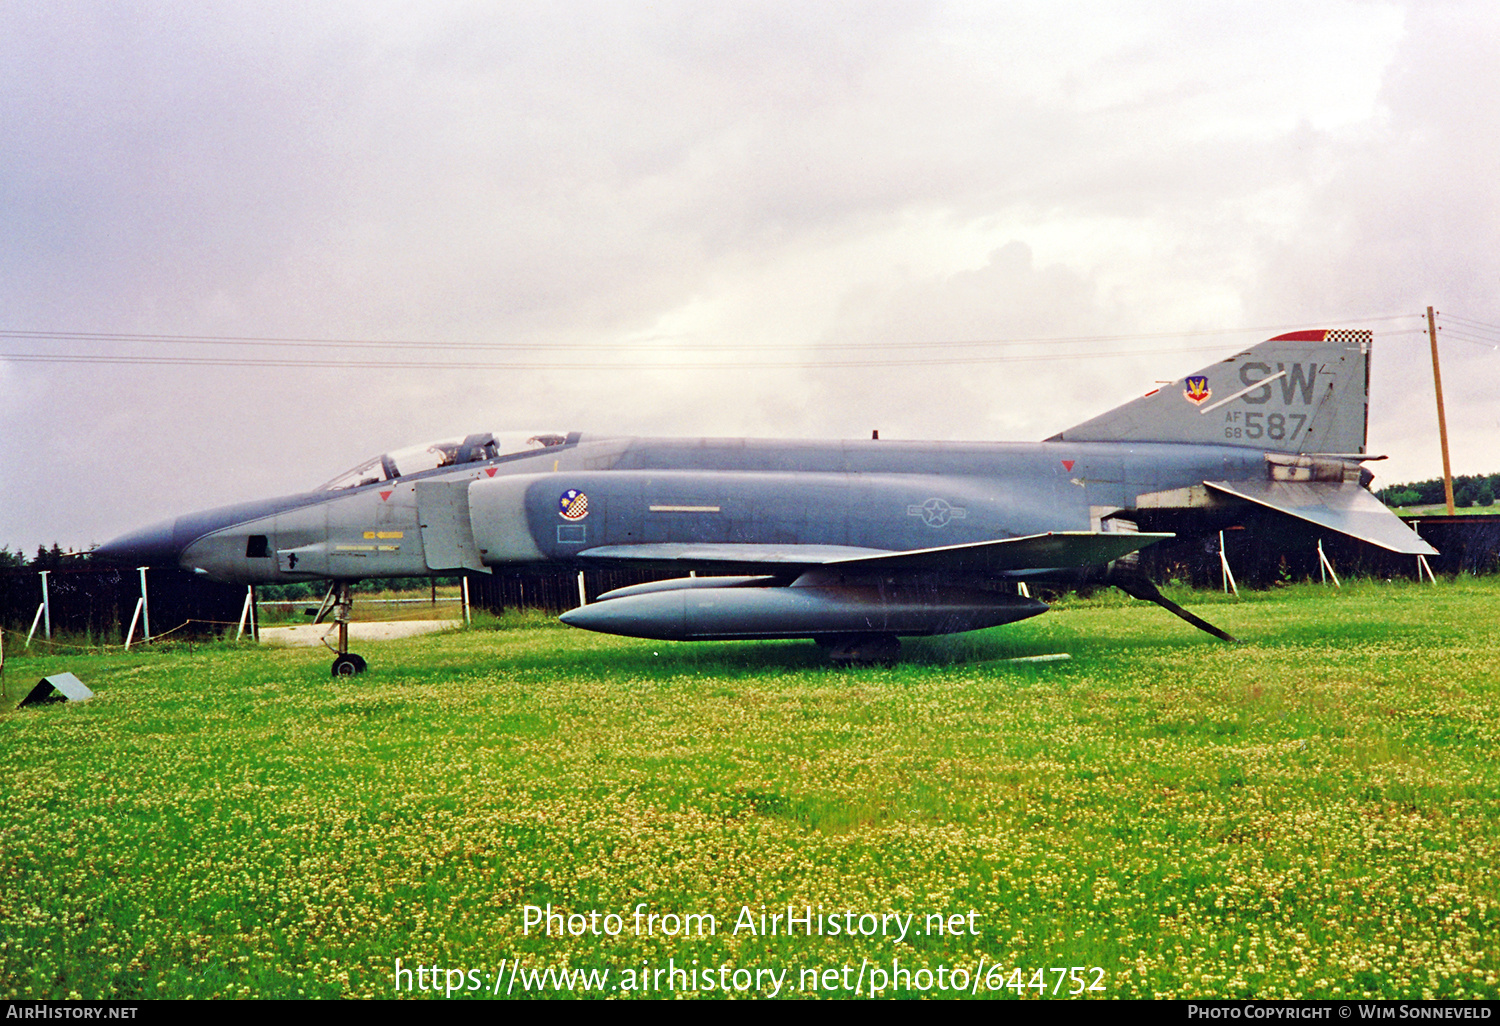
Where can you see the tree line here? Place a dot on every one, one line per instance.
(1468, 490)
(45, 558)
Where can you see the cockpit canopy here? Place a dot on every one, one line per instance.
(414, 459)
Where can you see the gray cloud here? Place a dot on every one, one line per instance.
(747, 175)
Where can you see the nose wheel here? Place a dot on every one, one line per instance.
(348, 665)
(345, 663)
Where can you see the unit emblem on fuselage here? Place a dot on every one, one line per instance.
(1195, 390)
(573, 504)
(937, 512)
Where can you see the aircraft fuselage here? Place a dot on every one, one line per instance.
(863, 496)
(851, 542)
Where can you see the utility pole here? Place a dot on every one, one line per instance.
(1437, 384)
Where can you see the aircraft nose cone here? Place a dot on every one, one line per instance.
(150, 546)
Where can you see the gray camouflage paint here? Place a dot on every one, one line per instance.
(1230, 434)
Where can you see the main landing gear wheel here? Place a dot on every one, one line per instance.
(348, 664)
(862, 649)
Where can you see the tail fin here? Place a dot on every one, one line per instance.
(1304, 392)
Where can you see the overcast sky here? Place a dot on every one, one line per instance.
(678, 207)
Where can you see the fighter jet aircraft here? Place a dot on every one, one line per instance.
(850, 543)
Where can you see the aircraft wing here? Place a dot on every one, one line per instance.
(1339, 506)
(1034, 553)
(1006, 556)
(727, 556)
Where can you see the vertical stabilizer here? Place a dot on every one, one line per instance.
(1304, 392)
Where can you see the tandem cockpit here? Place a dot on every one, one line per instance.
(445, 453)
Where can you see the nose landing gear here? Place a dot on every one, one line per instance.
(340, 599)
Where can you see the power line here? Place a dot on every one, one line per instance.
(559, 353)
(1492, 342)
(1469, 323)
(230, 361)
(811, 364)
(651, 342)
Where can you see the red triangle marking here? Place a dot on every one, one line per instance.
(1068, 464)
(490, 471)
(386, 495)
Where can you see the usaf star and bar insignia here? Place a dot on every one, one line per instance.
(937, 512)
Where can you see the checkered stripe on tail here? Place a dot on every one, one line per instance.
(1353, 336)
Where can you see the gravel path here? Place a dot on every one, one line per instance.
(311, 634)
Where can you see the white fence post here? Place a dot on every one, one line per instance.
(1327, 567)
(145, 608)
(135, 618)
(47, 606)
(1224, 567)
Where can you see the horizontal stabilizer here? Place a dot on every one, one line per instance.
(1339, 506)
(1052, 551)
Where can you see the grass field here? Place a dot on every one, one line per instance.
(1315, 812)
(1440, 509)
